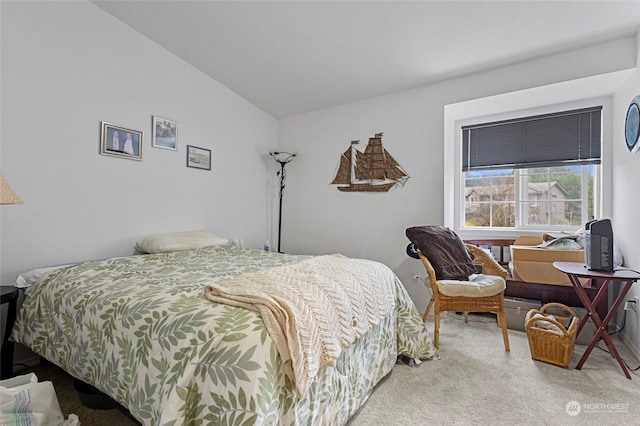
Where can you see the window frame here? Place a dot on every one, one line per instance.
(487, 110)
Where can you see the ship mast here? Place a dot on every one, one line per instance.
(353, 165)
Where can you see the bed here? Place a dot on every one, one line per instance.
(140, 330)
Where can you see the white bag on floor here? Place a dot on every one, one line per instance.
(25, 401)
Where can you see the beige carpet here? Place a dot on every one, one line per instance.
(474, 383)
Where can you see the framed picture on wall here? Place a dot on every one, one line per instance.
(198, 158)
(117, 141)
(165, 133)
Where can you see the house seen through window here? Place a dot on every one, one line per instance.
(539, 171)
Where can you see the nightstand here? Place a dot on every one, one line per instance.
(10, 296)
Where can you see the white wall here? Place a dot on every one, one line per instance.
(626, 201)
(67, 66)
(320, 219)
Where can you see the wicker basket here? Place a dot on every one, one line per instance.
(549, 346)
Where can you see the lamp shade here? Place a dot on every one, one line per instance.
(7, 196)
(281, 156)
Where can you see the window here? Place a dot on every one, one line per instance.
(550, 196)
(538, 171)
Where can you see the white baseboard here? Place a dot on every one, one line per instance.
(630, 345)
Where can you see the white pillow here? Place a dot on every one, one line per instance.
(29, 278)
(177, 241)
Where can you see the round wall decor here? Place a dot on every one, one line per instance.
(632, 125)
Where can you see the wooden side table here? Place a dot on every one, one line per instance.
(10, 296)
(602, 280)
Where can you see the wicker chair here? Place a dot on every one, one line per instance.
(470, 296)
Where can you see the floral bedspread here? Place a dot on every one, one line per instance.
(139, 329)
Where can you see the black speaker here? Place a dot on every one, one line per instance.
(598, 250)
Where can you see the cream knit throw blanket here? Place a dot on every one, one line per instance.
(313, 309)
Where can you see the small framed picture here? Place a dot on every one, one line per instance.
(198, 158)
(117, 141)
(165, 133)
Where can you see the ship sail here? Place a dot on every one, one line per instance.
(343, 176)
(373, 170)
(361, 168)
(394, 171)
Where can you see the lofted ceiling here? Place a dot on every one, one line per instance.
(291, 57)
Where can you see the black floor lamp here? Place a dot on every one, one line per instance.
(282, 158)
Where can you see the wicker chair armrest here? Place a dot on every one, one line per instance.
(486, 261)
(431, 273)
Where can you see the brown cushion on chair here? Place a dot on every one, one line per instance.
(445, 250)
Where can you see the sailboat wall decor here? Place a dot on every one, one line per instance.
(373, 170)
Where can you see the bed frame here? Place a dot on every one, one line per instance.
(545, 293)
